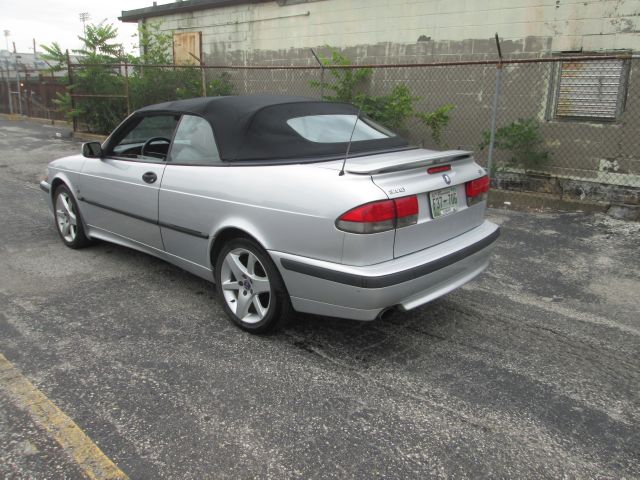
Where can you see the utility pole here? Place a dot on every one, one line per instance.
(6, 39)
(15, 55)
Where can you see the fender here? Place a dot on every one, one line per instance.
(64, 172)
(236, 223)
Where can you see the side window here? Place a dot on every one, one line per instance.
(194, 143)
(148, 139)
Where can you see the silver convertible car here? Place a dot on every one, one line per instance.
(282, 202)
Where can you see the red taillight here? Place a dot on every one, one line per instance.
(371, 212)
(477, 190)
(439, 168)
(380, 216)
(406, 211)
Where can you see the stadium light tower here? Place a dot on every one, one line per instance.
(84, 16)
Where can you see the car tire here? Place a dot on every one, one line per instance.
(68, 220)
(250, 288)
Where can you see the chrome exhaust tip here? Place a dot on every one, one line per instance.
(386, 313)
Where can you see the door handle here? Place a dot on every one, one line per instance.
(149, 177)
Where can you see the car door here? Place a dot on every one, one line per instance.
(187, 197)
(119, 192)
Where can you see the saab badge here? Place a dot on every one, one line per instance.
(447, 179)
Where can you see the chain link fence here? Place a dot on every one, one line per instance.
(567, 126)
(32, 93)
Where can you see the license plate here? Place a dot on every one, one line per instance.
(443, 201)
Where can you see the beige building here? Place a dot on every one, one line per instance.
(238, 32)
(588, 111)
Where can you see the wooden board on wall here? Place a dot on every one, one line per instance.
(186, 46)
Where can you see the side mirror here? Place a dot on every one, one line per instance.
(92, 150)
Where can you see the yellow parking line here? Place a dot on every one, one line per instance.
(94, 463)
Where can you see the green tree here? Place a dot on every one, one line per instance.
(155, 45)
(151, 83)
(98, 43)
(96, 74)
(54, 56)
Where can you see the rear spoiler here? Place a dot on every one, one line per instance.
(390, 163)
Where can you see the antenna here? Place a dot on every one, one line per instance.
(346, 155)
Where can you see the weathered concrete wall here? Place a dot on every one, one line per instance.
(267, 32)
(421, 31)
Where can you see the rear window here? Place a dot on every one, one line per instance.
(309, 130)
(338, 128)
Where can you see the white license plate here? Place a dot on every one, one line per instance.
(443, 201)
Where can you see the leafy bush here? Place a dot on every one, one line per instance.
(522, 139)
(98, 74)
(220, 86)
(436, 121)
(150, 84)
(392, 110)
(346, 82)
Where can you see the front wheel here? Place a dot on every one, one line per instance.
(250, 287)
(68, 219)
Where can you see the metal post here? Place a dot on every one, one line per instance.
(494, 113)
(321, 74)
(204, 81)
(15, 57)
(27, 84)
(70, 87)
(6, 64)
(126, 85)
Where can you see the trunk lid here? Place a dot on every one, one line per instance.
(405, 173)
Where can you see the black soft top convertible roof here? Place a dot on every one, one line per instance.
(254, 127)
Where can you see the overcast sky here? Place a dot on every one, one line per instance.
(58, 21)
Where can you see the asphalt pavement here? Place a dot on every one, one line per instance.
(530, 371)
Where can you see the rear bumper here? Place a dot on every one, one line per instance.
(407, 282)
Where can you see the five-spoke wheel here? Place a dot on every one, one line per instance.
(249, 285)
(68, 219)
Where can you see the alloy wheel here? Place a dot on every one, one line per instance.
(245, 285)
(66, 217)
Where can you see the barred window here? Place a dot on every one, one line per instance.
(591, 89)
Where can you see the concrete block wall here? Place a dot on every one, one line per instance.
(410, 29)
(422, 31)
